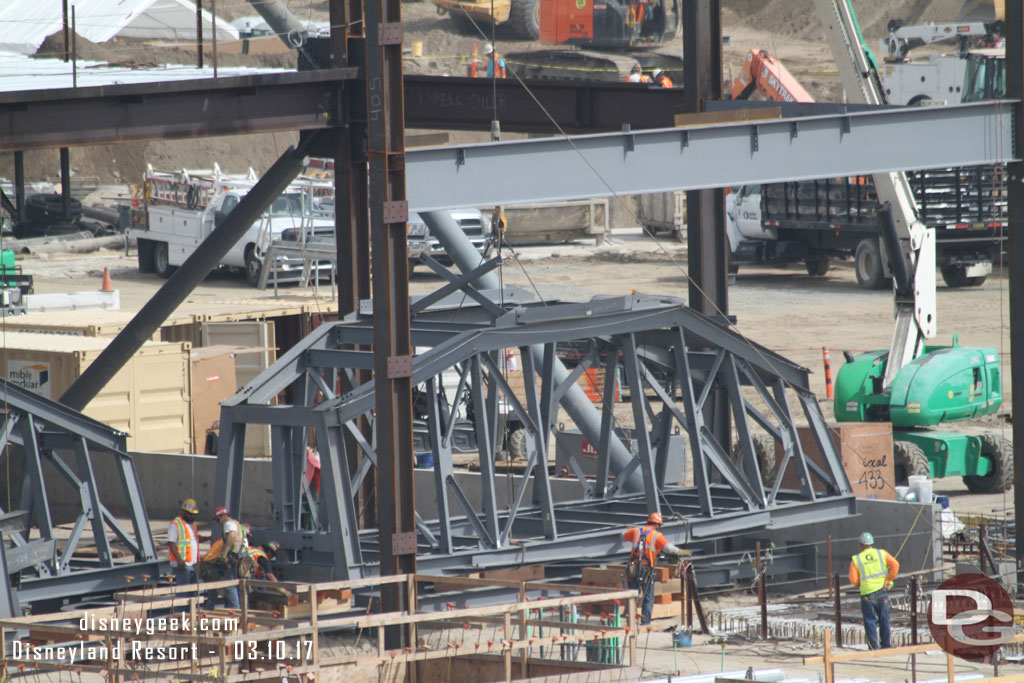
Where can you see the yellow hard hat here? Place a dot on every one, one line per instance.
(190, 506)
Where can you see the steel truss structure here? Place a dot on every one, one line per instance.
(41, 565)
(672, 358)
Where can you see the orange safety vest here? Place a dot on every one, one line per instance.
(665, 81)
(186, 536)
(214, 552)
(256, 554)
(644, 550)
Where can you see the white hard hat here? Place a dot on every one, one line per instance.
(636, 67)
(656, 73)
(488, 49)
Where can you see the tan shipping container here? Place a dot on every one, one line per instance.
(149, 397)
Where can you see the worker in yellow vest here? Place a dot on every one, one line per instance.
(874, 570)
(183, 543)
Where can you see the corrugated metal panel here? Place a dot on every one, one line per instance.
(149, 397)
(24, 24)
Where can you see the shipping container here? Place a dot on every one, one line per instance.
(149, 397)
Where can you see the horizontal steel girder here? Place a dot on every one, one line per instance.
(169, 110)
(700, 157)
(39, 119)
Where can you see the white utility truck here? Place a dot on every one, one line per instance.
(179, 210)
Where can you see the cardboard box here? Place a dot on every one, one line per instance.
(865, 450)
(213, 380)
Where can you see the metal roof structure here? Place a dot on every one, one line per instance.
(24, 24)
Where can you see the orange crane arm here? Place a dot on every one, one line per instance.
(765, 73)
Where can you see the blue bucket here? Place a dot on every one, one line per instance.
(943, 501)
(425, 461)
(682, 638)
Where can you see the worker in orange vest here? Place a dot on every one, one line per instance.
(661, 78)
(183, 543)
(636, 75)
(495, 62)
(262, 555)
(648, 543)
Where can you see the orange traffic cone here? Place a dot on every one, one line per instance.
(107, 285)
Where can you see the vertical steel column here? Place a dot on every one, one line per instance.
(19, 184)
(1015, 201)
(65, 181)
(351, 218)
(392, 348)
(708, 259)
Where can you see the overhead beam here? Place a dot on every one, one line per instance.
(41, 119)
(308, 100)
(709, 156)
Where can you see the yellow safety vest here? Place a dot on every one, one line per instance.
(872, 570)
(186, 536)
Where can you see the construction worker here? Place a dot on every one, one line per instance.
(494, 58)
(648, 543)
(183, 543)
(874, 570)
(227, 557)
(262, 555)
(661, 78)
(636, 75)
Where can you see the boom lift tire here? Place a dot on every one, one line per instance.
(764, 449)
(956, 276)
(908, 459)
(517, 444)
(999, 452)
(524, 18)
(817, 263)
(867, 263)
(161, 262)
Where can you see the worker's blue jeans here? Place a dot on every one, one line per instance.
(647, 601)
(875, 608)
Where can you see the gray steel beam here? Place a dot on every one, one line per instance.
(1015, 208)
(709, 156)
(165, 110)
(577, 405)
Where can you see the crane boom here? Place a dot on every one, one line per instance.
(914, 300)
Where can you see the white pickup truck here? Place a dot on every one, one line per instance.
(179, 210)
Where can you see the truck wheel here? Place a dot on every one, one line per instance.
(999, 452)
(524, 18)
(145, 250)
(817, 263)
(161, 262)
(253, 266)
(867, 263)
(908, 459)
(956, 276)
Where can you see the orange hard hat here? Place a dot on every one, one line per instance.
(655, 518)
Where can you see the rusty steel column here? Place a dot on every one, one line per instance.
(351, 218)
(392, 349)
(1015, 248)
(707, 245)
